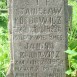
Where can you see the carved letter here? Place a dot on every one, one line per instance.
(37, 1)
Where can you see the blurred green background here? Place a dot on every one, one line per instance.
(5, 47)
(4, 43)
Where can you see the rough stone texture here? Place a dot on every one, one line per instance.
(39, 38)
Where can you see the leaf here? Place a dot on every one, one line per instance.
(74, 65)
(71, 52)
(69, 72)
(73, 44)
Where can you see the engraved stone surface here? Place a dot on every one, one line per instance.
(39, 38)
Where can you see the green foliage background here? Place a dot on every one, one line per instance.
(4, 41)
(72, 41)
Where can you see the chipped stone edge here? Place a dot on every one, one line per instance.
(10, 72)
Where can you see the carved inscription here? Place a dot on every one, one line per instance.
(40, 10)
(39, 38)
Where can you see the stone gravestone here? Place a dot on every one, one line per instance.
(39, 38)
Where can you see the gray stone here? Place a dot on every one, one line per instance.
(39, 38)
(70, 10)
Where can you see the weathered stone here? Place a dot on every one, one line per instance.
(39, 38)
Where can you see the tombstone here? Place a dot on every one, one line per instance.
(38, 30)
